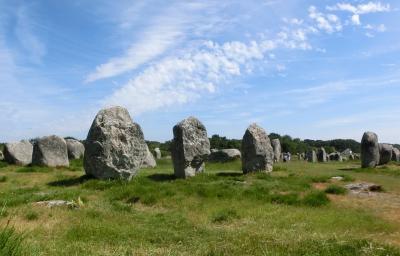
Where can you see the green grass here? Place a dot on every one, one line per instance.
(11, 242)
(219, 212)
(335, 189)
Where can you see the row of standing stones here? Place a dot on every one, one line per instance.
(115, 148)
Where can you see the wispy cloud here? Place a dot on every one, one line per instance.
(24, 31)
(165, 32)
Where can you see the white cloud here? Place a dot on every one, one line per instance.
(168, 30)
(360, 9)
(327, 22)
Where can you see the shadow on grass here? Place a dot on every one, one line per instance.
(160, 177)
(229, 174)
(70, 181)
(348, 169)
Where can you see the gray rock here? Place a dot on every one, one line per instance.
(149, 161)
(257, 152)
(19, 153)
(75, 149)
(321, 155)
(396, 155)
(55, 203)
(224, 155)
(358, 188)
(157, 153)
(311, 156)
(50, 151)
(337, 178)
(1, 156)
(115, 147)
(369, 150)
(190, 147)
(385, 153)
(335, 156)
(276, 145)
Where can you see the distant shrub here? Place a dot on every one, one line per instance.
(335, 189)
(315, 199)
(3, 178)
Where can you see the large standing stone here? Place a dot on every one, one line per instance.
(224, 155)
(257, 152)
(190, 147)
(115, 146)
(19, 153)
(276, 145)
(369, 150)
(149, 161)
(157, 153)
(50, 151)
(385, 153)
(312, 156)
(396, 155)
(321, 155)
(75, 148)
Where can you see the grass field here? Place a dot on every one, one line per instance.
(296, 210)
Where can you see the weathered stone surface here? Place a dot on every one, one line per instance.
(369, 150)
(19, 153)
(224, 155)
(75, 148)
(149, 161)
(157, 153)
(385, 153)
(257, 152)
(190, 147)
(358, 188)
(396, 155)
(335, 156)
(50, 151)
(1, 156)
(311, 156)
(286, 157)
(115, 147)
(321, 155)
(276, 145)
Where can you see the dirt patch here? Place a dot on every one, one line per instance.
(320, 186)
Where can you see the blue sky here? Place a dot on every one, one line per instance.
(310, 69)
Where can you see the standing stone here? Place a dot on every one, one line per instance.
(321, 155)
(1, 156)
(396, 155)
(257, 152)
(276, 145)
(157, 153)
(149, 161)
(115, 146)
(50, 151)
(369, 150)
(385, 152)
(312, 156)
(75, 149)
(224, 155)
(19, 153)
(190, 147)
(335, 156)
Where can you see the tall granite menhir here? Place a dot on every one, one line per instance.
(385, 153)
(369, 150)
(276, 145)
(190, 147)
(257, 152)
(115, 147)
